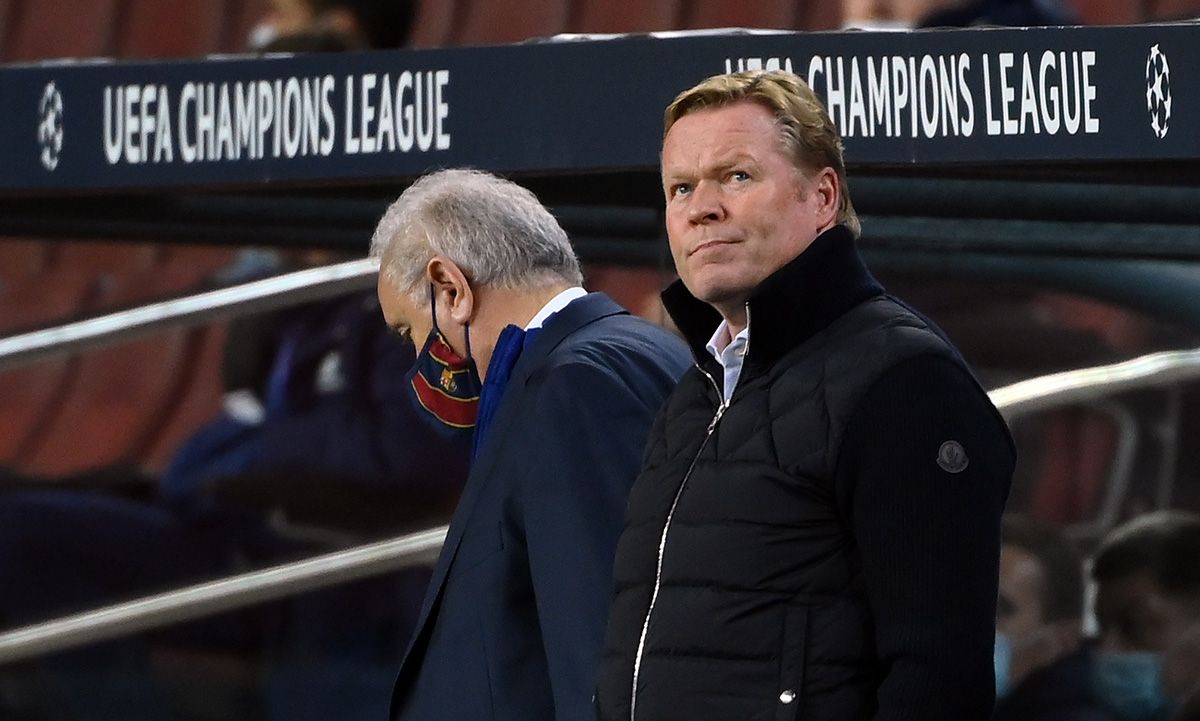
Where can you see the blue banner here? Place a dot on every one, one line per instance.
(931, 98)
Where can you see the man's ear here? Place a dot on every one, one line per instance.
(828, 189)
(453, 292)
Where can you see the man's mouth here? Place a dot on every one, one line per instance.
(711, 245)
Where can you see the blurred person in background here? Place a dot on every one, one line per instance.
(1042, 671)
(1147, 666)
(1181, 671)
(567, 383)
(316, 390)
(1013, 13)
(332, 25)
(906, 14)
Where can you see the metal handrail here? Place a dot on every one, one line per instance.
(1089, 384)
(261, 295)
(333, 280)
(223, 595)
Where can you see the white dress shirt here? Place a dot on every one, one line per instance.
(729, 353)
(557, 303)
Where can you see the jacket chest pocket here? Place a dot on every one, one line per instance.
(791, 664)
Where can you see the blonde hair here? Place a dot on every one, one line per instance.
(805, 127)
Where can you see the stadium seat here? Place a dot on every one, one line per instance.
(20, 258)
(29, 394)
(1107, 12)
(241, 17)
(1073, 470)
(198, 401)
(53, 296)
(495, 22)
(774, 14)
(108, 263)
(43, 30)
(102, 257)
(605, 16)
(170, 28)
(819, 16)
(6, 14)
(433, 23)
(189, 267)
(1173, 10)
(121, 395)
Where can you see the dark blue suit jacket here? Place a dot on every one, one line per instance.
(514, 617)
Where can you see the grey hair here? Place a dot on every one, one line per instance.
(494, 230)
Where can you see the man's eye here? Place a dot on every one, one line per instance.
(740, 175)
(680, 189)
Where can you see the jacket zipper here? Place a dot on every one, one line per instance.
(662, 543)
(722, 404)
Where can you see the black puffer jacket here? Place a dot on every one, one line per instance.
(823, 547)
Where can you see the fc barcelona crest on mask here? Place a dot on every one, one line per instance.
(446, 384)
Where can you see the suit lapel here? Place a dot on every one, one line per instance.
(578, 314)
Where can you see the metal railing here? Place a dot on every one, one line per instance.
(1089, 384)
(1077, 386)
(261, 295)
(223, 595)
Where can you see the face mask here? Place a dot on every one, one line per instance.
(1002, 660)
(445, 384)
(1130, 685)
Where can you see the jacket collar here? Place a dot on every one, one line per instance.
(791, 305)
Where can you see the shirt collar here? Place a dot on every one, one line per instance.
(721, 341)
(557, 303)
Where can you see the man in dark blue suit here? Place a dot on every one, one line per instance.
(481, 274)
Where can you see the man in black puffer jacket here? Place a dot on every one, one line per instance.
(815, 531)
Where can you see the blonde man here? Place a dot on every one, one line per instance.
(815, 531)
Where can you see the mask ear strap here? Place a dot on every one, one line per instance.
(433, 313)
(433, 310)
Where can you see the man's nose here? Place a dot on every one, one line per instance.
(706, 204)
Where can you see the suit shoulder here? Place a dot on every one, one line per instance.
(624, 342)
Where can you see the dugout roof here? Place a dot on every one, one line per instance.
(1026, 124)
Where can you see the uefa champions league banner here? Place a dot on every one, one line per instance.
(963, 98)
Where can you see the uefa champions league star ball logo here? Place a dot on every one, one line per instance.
(1158, 91)
(50, 129)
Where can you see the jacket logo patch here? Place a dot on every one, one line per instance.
(952, 457)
